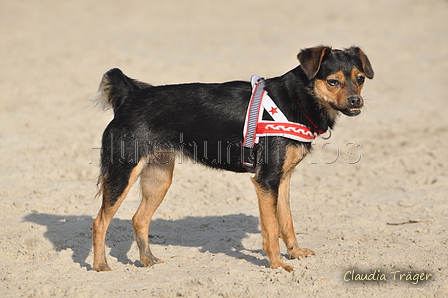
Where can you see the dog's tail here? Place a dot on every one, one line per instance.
(115, 88)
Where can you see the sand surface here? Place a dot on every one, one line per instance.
(373, 197)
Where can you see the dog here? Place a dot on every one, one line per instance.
(153, 125)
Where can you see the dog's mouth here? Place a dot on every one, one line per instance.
(347, 111)
(351, 112)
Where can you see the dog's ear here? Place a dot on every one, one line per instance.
(311, 58)
(367, 68)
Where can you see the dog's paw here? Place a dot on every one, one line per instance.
(297, 253)
(288, 268)
(103, 267)
(148, 261)
(280, 264)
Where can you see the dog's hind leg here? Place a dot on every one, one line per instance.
(155, 180)
(110, 205)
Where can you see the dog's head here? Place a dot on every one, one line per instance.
(337, 76)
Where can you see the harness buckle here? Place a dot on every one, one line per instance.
(250, 167)
(248, 159)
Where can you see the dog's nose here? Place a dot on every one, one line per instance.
(354, 101)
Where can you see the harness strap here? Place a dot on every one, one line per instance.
(255, 127)
(253, 112)
(250, 125)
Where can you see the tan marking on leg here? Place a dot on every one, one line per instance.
(102, 221)
(155, 181)
(269, 226)
(293, 156)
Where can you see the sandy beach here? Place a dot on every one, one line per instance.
(371, 202)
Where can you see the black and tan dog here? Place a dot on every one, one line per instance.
(153, 125)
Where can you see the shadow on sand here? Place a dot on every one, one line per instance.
(214, 234)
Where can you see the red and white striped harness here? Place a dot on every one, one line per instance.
(255, 127)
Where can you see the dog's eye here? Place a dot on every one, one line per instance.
(333, 83)
(360, 80)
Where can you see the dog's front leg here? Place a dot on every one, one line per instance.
(273, 200)
(267, 202)
(285, 221)
(294, 154)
